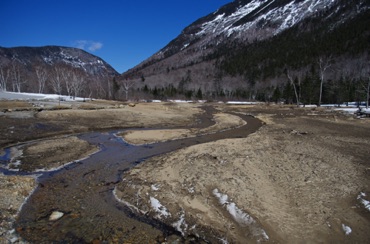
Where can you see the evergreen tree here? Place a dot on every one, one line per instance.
(199, 94)
(276, 96)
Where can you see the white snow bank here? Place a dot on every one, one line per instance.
(308, 106)
(347, 110)
(36, 96)
(242, 103)
(181, 101)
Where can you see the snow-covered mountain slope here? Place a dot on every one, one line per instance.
(202, 48)
(251, 20)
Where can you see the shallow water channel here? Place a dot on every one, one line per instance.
(83, 192)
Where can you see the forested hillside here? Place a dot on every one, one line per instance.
(298, 54)
(286, 51)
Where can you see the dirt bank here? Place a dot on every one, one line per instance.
(50, 154)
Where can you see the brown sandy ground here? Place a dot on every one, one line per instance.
(28, 123)
(298, 179)
(222, 122)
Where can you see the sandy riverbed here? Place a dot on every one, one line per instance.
(303, 177)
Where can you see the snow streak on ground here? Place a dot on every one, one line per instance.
(363, 201)
(347, 230)
(181, 225)
(239, 216)
(159, 208)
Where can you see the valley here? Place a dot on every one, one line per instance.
(251, 126)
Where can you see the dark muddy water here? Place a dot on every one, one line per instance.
(83, 192)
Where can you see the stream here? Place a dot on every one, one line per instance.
(83, 191)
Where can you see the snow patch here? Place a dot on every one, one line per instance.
(37, 96)
(347, 230)
(239, 216)
(129, 205)
(154, 187)
(181, 225)
(243, 103)
(159, 208)
(363, 201)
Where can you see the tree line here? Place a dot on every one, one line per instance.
(61, 79)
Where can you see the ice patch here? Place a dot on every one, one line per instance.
(159, 208)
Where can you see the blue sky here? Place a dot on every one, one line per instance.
(123, 33)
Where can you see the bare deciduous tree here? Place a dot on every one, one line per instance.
(365, 81)
(67, 76)
(42, 76)
(367, 89)
(126, 85)
(78, 83)
(97, 86)
(57, 80)
(324, 64)
(4, 77)
(16, 76)
(291, 80)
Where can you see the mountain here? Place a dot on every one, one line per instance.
(54, 62)
(249, 48)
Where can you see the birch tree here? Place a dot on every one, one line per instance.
(16, 77)
(57, 80)
(324, 64)
(42, 76)
(291, 80)
(78, 83)
(67, 76)
(4, 77)
(126, 85)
